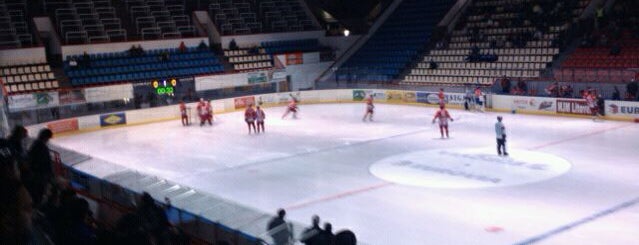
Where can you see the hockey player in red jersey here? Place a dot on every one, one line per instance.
(201, 111)
(259, 118)
(249, 118)
(443, 116)
(292, 107)
(591, 100)
(208, 110)
(184, 114)
(369, 108)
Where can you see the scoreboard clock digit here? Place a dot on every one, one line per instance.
(164, 86)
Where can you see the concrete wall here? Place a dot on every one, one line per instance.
(45, 27)
(245, 41)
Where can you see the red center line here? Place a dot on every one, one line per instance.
(338, 195)
(579, 136)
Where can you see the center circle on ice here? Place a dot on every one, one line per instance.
(469, 168)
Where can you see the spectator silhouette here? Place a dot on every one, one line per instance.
(78, 229)
(128, 230)
(311, 236)
(16, 212)
(16, 141)
(154, 220)
(182, 47)
(279, 230)
(345, 237)
(233, 45)
(40, 165)
(327, 237)
(202, 46)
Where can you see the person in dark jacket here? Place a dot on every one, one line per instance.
(327, 237)
(311, 236)
(40, 166)
(279, 230)
(16, 145)
(154, 219)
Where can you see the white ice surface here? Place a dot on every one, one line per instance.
(319, 164)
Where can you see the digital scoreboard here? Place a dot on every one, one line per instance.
(165, 86)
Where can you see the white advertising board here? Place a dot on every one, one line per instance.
(22, 102)
(506, 102)
(622, 109)
(108, 93)
(220, 81)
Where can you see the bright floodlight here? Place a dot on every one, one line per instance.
(346, 33)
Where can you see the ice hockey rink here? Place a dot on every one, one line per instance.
(394, 181)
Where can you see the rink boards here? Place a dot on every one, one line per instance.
(615, 110)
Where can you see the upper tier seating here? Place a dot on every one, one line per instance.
(14, 25)
(84, 21)
(81, 21)
(158, 19)
(597, 64)
(237, 17)
(28, 78)
(498, 38)
(124, 67)
(610, 52)
(397, 42)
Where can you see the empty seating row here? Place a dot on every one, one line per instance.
(415, 80)
(28, 78)
(249, 66)
(547, 36)
(486, 66)
(503, 51)
(477, 73)
(250, 58)
(32, 87)
(242, 52)
(27, 69)
(468, 45)
(501, 59)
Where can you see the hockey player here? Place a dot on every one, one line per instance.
(201, 111)
(292, 107)
(209, 112)
(259, 118)
(249, 118)
(591, 100)
(369, 108)
(184, 114)
(500, 132)
(479, 99)
(443, 116)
